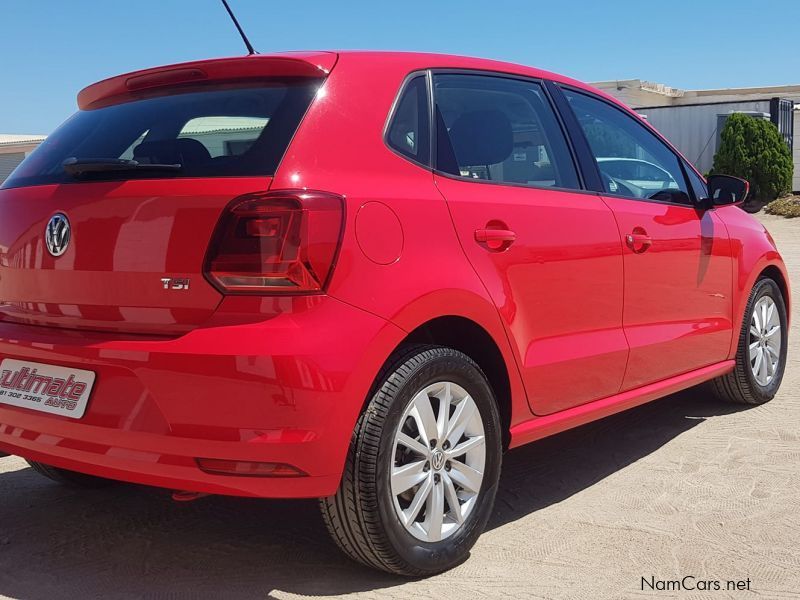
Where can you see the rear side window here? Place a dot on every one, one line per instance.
(221, 131)
(409, 131)
(497, 129)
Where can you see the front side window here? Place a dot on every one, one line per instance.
(503, 130)
(408, 132)
(206, 131)
(698, 185)
(632, 161)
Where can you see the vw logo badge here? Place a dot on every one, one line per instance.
(57, 234)
(437, 460)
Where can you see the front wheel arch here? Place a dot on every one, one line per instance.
(774, 273)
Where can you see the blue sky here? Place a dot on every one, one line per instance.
(53, 48)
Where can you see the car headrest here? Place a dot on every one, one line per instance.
(482, 137)
(184, 151)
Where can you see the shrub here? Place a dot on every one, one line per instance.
(785, 207)
(753, 149)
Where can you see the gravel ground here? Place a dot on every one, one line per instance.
(684, 486)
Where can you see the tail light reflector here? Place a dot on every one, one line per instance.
(278, 242)
(246, 468)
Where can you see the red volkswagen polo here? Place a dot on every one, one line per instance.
(362, 277)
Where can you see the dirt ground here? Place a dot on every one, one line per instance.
(681, 487)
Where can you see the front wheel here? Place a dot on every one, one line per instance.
(761, 353)
(423, 466)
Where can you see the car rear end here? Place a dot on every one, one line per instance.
(163, 316)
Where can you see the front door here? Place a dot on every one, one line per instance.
(677, 257)
(549, 254)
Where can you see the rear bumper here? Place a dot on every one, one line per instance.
(285, 389)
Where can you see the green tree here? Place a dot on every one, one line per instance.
(754, 150)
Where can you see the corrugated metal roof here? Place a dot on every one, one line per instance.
(8, 139)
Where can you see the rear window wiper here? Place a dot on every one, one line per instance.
(78, 166)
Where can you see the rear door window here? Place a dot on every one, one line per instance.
(499, 129)
(220, 131)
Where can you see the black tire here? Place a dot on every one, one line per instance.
(361, 516)
(740, 385)
(70, 478)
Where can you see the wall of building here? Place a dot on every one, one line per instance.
(13, 149)
(9, 162)
(796, 152)
(692, 129)
(688, 118)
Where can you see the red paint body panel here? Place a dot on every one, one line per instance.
(536, 429)
(245, 386)
(678, 291)
(753, 250)
(558, 289)
(585, 327)
(290, 64)
(126, 237)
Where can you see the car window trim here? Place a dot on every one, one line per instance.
(601, 188)
(587, 165)
(503, 75)
(393, 111)
(688, 167)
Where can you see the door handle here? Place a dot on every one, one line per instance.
(495, 240)
(495, 235)
(638, 240)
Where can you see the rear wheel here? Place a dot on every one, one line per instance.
(423, 466)
(70, 478)
(761, 354)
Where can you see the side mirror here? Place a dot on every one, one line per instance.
(725, 190)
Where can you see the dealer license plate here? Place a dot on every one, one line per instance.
(47, 388)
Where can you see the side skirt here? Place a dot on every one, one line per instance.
(540, 427)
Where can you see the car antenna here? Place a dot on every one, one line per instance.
(250, 49)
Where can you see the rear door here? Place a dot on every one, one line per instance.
(678, 265)
(133, 235)
(548, 252)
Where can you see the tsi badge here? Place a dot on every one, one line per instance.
(57, 234)
(175, 283)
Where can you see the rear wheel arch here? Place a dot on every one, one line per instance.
(469, 337)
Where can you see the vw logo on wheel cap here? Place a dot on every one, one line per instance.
(437, 460)
(57, 234)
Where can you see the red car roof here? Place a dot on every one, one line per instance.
(298, 64)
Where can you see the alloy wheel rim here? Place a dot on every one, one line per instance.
(765, 339)
(439, 456)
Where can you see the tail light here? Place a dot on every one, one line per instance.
(277, 242)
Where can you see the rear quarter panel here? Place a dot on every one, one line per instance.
(400, 256)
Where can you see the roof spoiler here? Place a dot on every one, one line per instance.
(123, 87)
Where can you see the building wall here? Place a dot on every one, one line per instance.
(665, 106)
(796, 152)
(9, 162)
(692, 129)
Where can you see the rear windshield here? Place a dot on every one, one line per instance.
(220, 131)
